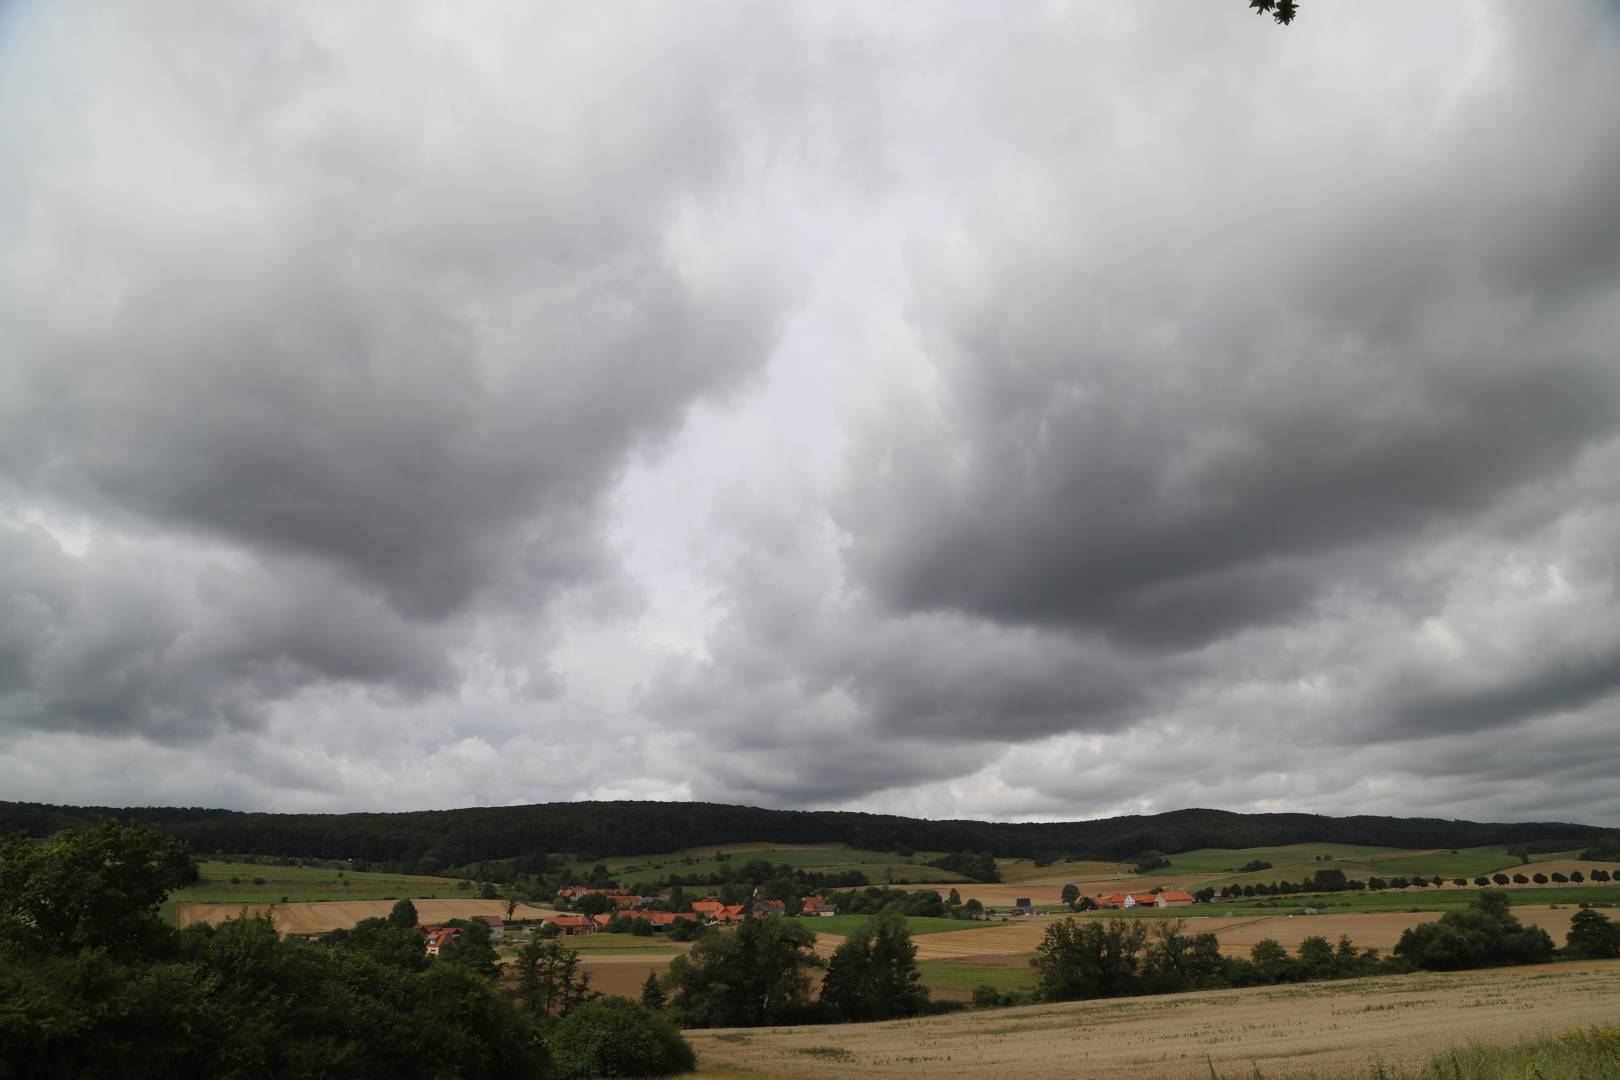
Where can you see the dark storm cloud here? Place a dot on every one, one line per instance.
(104, 644)
(381, 305)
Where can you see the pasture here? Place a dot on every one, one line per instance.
(1325, 1030)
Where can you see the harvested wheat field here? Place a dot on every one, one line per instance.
(1324, 1030)
(1369, 929)
(319, 916)
(621, 976)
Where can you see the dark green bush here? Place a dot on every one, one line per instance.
(614, 1036)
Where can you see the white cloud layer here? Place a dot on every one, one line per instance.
(1026, 411)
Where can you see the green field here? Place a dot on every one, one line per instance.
(953, 977)
(880, 867)
(1218, 866)
(1449, 898)
(847, 924)
(310, 883)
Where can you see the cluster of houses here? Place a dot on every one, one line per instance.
(1159, 900)
(709, 911)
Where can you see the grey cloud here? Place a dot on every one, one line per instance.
(381, 305)
(133, 639)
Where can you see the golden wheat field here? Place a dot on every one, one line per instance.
(1326, 1030)
(319, 916)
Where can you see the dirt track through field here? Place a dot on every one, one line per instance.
(319, 916)
(1322, 1029)
(1372, 929)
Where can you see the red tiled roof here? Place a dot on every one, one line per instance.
(1177, 896)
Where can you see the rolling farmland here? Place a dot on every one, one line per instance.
(1327, 1030)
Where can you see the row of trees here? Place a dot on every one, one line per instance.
(1120, 957)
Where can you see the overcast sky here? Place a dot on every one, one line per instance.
(1006, 410)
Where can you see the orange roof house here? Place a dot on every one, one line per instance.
(1174, 899)
(440, 936)
(573, 924)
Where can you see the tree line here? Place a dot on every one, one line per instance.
(499, 839)
(1119, 957)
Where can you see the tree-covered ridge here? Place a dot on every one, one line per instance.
(447, 838)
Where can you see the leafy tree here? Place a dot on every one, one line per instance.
(1090, 960)
(1592, 935)
(486, 891)
(614, 1036)
(472, 950)
(95, 889)
(1576, 876)
(1499, 879)
(873, 974)
(396, 946)
(652, 992)
(1485, 933)
(954, 898)
(1520, 879)
(1283, 11)
(1178, 961)
(404, 914)
(548, 980)
(595, 904)
(1482, 880)
(1539, 878)
(755, 975)
(1070, 894)
(1559, 878)
(978, 865)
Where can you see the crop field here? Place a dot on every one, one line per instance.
(954, 980)
(880, 867)
(318, 917)
(255, 882)
(1192, 870)
(1324, 1030)
(1237, 934)
(916, 924)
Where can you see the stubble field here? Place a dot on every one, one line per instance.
(318, 917)
(1377, 929)
(1326, 1030)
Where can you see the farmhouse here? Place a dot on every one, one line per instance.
(1130, 900)
(815, 905)
(768, 907)
(663, 919)
(439, 936)
(497, 926)
(1175, 899)
(708, 907)
(572, 924)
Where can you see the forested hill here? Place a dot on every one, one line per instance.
(600, 829)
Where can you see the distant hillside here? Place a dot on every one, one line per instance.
(594, 830)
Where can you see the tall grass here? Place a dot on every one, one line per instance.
(1579, 1054)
